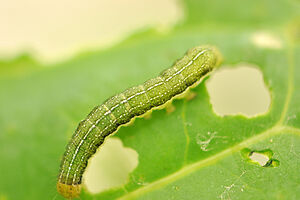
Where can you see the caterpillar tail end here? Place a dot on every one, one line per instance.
(68, 191)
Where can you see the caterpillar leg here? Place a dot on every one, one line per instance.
(170, 107)
(130, 122)
(147, 115)
(189, 95)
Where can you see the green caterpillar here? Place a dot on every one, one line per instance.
(122, 108)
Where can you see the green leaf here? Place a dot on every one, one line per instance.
(41, 108)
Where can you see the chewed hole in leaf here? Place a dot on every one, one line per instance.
(110, 167)
(260, 158)
(239, 90)
(265, 39)
(263, 158)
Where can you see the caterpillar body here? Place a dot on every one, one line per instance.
(122, 108)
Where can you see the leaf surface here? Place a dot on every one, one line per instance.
(40, 108)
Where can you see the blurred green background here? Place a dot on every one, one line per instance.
(58, 59)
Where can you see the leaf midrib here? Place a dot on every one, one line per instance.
(210, 160)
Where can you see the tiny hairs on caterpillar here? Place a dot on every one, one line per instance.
(122, 108)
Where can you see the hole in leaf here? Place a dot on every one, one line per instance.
(266, 40)
(260, 158)
(263, 158)
(110, 167)
(239, 90)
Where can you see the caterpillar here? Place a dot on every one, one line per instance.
(123, 108)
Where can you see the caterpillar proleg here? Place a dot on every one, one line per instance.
(122, 108)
